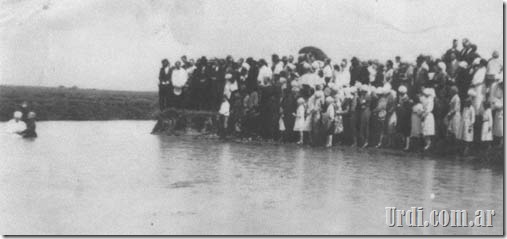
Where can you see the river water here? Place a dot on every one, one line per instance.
(114, 177)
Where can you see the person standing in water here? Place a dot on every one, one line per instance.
(29, 132)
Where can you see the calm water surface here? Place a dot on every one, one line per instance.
(115, 178)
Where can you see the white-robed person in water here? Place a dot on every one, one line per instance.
(16, 125)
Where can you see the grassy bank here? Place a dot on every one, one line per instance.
(52, 103)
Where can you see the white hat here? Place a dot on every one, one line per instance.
(402, 89)
(427, 91)
(329, 99)
(477, 61)
(471, 92)
(18, 114)
(442, 66)
(387, 87)
(463, 64)
(319, 94)
(228, 76)
(364, 88)
(379, 91)
(301, 101)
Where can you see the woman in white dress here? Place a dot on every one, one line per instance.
(466, 133)
(300, 124)
(454, 115)
(428, 120)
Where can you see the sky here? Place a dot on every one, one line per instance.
(118, 44)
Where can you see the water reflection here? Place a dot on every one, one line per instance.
(114, 177)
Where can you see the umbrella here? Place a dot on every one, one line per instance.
(318, 53)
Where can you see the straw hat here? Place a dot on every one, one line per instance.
(471, 92)
(402, 89)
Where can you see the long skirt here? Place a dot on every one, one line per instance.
(428, 125)
(454, 124)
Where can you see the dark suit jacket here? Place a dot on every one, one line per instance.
(163, 77)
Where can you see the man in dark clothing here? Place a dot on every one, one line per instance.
(164, 85)
(447, 56)
(355, 70)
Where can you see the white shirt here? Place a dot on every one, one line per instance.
(229, 88)
(479, 76)
(328, 71)
(224, 108)
(15, 127)
(264, 72)
(278, 68)
(495, 67)
(179, 77)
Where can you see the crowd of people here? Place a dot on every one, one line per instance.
(454, 101)
(23, 122)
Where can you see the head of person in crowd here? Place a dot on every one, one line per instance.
(262, 63)
(441, 67)
(453, 90)
(311, 57)
(17, 116)
(452, 56)
(301, 101)
(250, 61)
(165, 63)
(290, 59)
(184, 59)
(177, 65)
(329, 100)
(240, 61)
(191, 62)
(389, 64)
(275, 58)
(229, 78)
(455, 43)
(402, 90)
(473, 48)
(24, 104)
(420, 60)
(31, 115)
(354, 61)
(327, 61)
(285, 60)
(229, 59)
(203, 61)
(465, 42)
(495, 54)
(336, 67)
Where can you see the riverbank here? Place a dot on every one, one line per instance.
(203, 125)
(62, 103)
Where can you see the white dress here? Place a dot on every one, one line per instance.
(300, 123)
(487, 125)
(14, 127)
(466, 132)
(428, 124)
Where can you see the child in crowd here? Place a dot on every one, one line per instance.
(300, 124)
